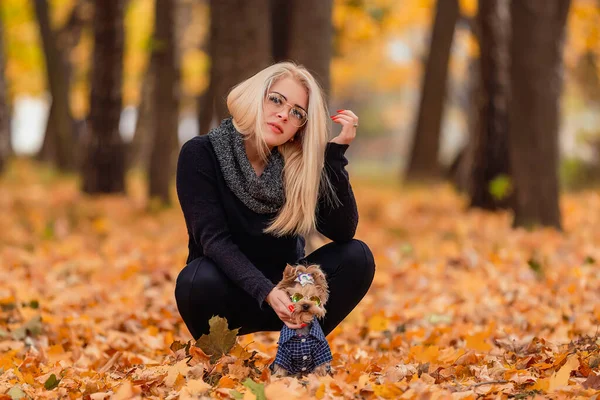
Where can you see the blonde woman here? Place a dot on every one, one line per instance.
(252, 189)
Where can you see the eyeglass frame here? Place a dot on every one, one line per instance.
(286, 103)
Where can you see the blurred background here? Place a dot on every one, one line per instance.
(499, 98)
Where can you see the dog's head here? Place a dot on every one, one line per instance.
(308, 290)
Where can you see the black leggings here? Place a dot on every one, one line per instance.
(203, 290)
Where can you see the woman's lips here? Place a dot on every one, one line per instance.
(275, 128)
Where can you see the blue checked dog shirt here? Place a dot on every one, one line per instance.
(302, 353)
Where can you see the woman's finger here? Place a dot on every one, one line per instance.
(344, 118)
(349, 113)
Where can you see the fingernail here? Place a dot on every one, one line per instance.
(302, 326)
(340, 110)
(291, 308)
(332, 116)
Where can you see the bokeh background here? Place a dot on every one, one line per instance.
(371, 55)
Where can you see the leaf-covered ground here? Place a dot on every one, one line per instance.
(462, 306)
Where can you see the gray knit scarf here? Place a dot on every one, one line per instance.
(262, 194)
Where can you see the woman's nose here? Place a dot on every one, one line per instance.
(282, 114)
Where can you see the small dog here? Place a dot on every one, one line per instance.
(304, 350)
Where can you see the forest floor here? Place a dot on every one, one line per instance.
(462, 306)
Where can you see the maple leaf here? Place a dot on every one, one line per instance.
(258, 389)
(219, 340)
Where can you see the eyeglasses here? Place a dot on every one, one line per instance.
(296, 297)
(276, 102)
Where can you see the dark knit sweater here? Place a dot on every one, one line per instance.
(222, 228)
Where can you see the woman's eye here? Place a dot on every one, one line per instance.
(275, 99)
(297, 114)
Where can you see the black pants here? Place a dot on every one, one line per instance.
(203, 290)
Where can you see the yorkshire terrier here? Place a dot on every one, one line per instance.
(304, 350)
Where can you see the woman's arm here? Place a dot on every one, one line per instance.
(338, 222)
(206, 221)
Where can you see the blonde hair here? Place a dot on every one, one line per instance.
(304, 178)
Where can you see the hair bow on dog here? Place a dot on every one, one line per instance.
(305, 279)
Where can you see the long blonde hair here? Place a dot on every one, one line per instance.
(304, 179)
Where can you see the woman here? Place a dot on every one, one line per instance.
(251, 190)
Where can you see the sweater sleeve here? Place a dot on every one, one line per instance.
(206, 221)
(337, 221)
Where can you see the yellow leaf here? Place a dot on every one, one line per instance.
(387, 391)
(427, 354)
(561, 378)
(320, 393)
(542, 384)
(197, 387)
(181, 368)
(378, 323)
(477, 342)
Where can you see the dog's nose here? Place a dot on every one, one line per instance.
(305, 307)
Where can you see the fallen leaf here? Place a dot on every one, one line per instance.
(219, 340)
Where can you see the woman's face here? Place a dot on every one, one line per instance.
(285, 111)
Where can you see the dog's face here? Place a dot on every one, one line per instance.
(308, 290)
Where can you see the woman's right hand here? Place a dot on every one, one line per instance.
(283, 307)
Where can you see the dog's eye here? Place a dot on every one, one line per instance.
(316, 300)
(296, 297)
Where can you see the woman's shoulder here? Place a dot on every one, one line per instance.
(198, 151)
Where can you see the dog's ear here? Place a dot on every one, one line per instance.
(289, 275)
(320, 281)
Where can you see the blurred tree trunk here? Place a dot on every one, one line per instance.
(166, 104)
(59, 139)
(423, 164)
(490, 139)
(240, 45)
(538, 29)
(281, 21)
(141, 146)
(5, 147)
(104, 168)
(311, 37)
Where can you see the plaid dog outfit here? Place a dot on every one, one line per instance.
(302, 353)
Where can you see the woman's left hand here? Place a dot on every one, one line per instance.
(349, 122)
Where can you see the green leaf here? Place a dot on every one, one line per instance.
(16, 393)
(500, 187)
(236, 395)
(258, 389)
(536, 267)
(219, 340)
(51, 382)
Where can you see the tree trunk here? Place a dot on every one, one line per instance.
(141, 146)
(281, 21)
(490, 148)
(104, 170)
(240, 45)
(423, 164)
(538, 29)
(59, 132)
(311, 37)
(166, 104)
(5, 147)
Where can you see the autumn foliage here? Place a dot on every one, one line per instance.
(461, 305)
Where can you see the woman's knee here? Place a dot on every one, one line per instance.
(361, 257)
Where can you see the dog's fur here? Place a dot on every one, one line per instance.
(305, 310)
